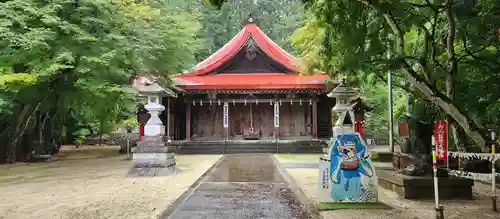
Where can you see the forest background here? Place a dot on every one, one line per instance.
(65, 65)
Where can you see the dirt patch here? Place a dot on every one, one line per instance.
(68, 154)
(94, 188)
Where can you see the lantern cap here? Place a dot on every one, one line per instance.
(343, 91)
(147, 86)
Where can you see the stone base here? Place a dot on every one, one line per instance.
(152, 157)
(422, 187)
(383, 157)
(415, 165)
(153, 171)
(153, 164)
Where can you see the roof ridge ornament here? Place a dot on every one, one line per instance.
(250, 52)
(249, 20)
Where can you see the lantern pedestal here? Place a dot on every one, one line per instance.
(153, 156)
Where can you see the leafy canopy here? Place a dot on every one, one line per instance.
(61, 59)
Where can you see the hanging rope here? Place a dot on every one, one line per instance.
(251, 112)
(251, 119)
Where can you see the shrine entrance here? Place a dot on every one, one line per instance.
(249, 92)
(252, 119)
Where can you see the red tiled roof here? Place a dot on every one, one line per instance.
(251, 81)
(225, 53)
(201, 79)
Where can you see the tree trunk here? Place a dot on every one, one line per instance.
(101, 129)
(451, 76)
(22, 122)
(13, 144)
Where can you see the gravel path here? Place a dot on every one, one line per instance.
(402, 209)
(98, 188)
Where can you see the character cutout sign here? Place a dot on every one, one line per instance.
(352, 176)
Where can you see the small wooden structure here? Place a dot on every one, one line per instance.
(250, 89)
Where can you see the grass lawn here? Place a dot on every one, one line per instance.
(328, 206)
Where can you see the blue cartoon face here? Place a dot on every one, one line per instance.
(348, 145)
(349, 157)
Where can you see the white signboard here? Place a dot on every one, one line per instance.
(276, 114)
(324, 178)
(226, 115)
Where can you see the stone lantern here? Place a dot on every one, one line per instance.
(152, 156)
(343, 108)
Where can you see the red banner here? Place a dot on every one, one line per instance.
(441, 138)
(358, 127)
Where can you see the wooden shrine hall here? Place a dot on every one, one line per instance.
(250, 90)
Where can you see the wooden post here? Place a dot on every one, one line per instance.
(188, 121)
(276, 119)
(315, 119)
(168, 118)
(493, 173)
(225, 121)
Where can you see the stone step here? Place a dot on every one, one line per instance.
(244, 151)
(246, 148)
(200, 152)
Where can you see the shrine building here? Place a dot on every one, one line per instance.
(250, 90)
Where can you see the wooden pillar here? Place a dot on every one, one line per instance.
(188, 121)
(168, 118)
(225, 118)
(314, 118)
(276, 119)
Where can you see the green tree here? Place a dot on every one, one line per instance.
(429, 43)
(59, 58)
(436, 46)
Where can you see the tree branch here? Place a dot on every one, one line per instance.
(434, 95)
(428, 4)
(473, 55)
(456, 112)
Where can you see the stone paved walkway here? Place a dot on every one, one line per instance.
(245, 186)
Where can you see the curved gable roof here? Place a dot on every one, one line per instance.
(229, 50)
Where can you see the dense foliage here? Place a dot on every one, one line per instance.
(66, 64)
(447, 52)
